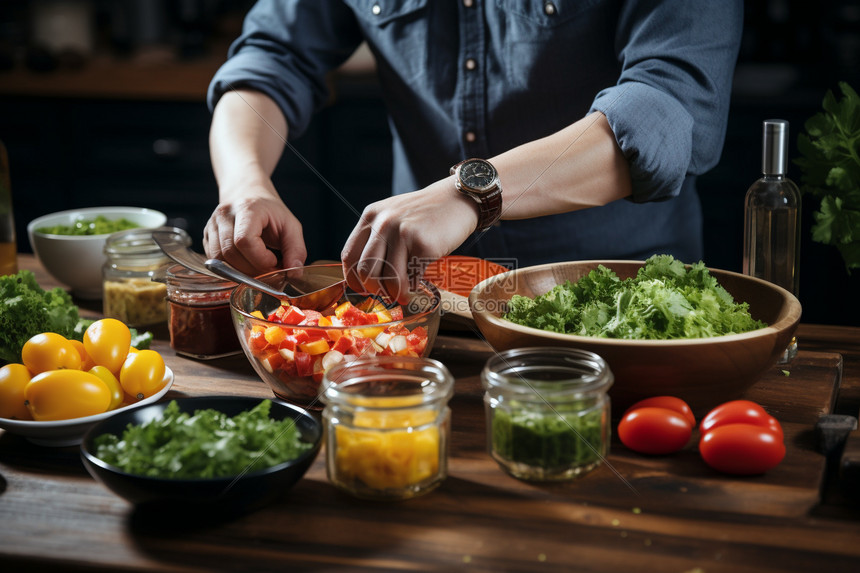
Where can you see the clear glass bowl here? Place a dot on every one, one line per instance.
(292, 358)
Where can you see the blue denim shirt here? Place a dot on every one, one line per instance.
(476, 78)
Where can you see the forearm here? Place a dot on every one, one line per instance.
(579, 167)
(246, 140)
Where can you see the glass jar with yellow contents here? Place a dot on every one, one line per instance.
(133, 261)
(387, 426)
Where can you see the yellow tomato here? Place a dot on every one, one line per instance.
(142, 374)
(65, 394)
(49, 351)
(116, 393)
(13, 404)
(86, 361)
(107, 342)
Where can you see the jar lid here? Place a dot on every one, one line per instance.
(184, 278)
(140, 242)
(387, 382)
(547, 373)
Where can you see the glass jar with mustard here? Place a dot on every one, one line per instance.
(199, 318)
(548, 412)
(133, 261)
(387, 426)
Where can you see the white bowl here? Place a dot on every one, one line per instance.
(77, 260)
(61, 433)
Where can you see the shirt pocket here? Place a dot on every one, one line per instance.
(548, 43)
(397, 32)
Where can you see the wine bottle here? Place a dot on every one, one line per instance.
(772, 219)
(772, 215)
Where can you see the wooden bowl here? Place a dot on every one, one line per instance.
(703, 371)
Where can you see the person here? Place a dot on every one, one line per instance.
(597, 117)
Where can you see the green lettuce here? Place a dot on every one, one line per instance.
(26, 309)
(665, 300)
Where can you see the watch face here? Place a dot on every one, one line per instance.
(478, 175)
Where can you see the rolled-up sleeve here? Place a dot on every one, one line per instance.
(285, 51)
(670, 106)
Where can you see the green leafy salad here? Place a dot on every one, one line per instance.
(26, 309)
(205, 444)
(101, 225)
(665, 300)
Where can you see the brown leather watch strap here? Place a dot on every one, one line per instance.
(489, 209)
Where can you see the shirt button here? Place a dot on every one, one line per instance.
(471, 137)
(468, 3)
(376, 9)
(549, 8)
(471, 64)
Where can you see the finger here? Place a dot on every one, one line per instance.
(351, 255)
(210, 239)
(371, 267)
(367, 266)
(250, 253)
(292, 246)
(395, 277)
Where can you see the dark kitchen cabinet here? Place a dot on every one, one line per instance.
(71, 153)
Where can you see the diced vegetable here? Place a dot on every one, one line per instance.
(304, 344)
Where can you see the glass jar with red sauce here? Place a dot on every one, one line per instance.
(199, 314)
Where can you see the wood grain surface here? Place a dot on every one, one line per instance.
(668, 513)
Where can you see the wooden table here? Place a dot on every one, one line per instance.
(634, 513)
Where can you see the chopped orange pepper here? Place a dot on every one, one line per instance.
(313, 347)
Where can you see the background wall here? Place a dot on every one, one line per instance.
(793, 52)
(111, 112)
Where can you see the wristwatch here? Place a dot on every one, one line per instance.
(479, 180)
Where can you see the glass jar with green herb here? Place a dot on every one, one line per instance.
(548, 412)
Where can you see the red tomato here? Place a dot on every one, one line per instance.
(291, 314)
(774, 425)
(735, 412)
(396, 313)
(654, 430)
(668, 402)
(742, 449)
(304, 363)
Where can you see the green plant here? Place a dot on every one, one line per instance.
(830, 165)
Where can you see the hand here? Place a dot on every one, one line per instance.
(241, 230)
(397, 238)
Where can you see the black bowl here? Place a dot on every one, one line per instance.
(232, 493)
